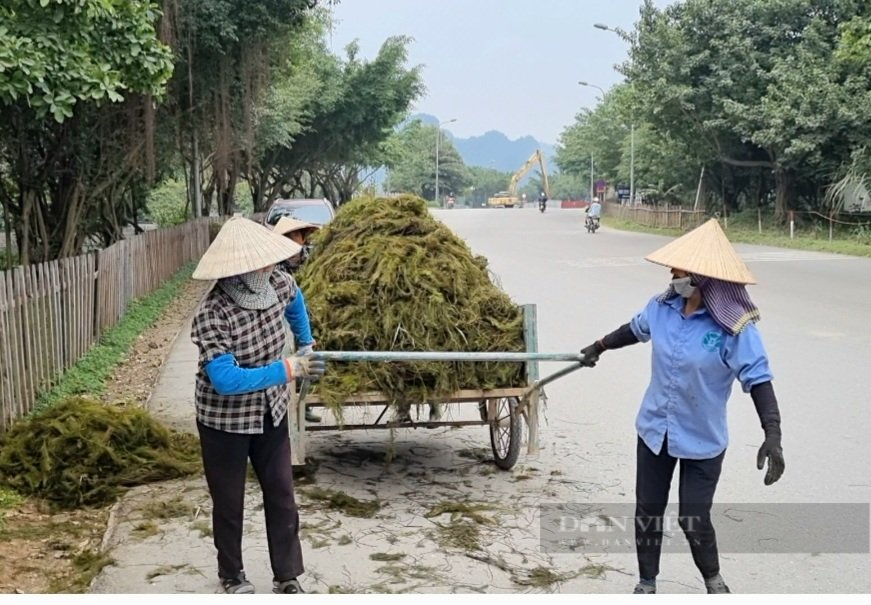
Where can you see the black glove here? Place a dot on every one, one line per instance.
(771, 451)
(769, 417)
(591, 354)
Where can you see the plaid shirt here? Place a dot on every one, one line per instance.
(255, 338)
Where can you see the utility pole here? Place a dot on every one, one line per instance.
(632, 164)
(591, 178)
(626, 37)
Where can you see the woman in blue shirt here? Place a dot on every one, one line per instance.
(703, 334)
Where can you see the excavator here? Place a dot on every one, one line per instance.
(509, 199)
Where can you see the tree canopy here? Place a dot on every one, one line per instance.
(769, 97)
(102, 101)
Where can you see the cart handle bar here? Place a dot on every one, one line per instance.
(443, 356)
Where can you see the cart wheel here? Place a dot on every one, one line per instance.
(505, 433)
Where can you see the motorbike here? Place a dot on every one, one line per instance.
(542, 205)
(592, 224)
(450, 203)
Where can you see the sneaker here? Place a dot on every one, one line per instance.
(645, 588)
(717, 585)
(310, 416)
(287, 587)
(237, 585)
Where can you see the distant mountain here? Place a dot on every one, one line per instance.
(493, 149)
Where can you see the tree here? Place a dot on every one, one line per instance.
(354, 107)
(485, 183)
(729, 81)
(411, 162)
(227, 52)
(77, 83)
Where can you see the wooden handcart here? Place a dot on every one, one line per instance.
(505, 411)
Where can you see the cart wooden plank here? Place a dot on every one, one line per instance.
(456, 397)
(396, 425)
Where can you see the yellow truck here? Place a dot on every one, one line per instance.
(509, 199)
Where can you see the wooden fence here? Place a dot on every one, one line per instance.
(674, 217)
(52, 313)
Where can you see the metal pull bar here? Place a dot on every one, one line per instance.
(443, 356)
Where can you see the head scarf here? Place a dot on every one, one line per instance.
(728, 303)
(252, 290)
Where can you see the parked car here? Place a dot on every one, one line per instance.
(315, 211)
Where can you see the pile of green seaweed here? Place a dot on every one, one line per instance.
(387, 276)
(82, 452)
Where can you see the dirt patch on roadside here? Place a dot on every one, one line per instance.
(134, 379)
(46, 552)
(42, 552)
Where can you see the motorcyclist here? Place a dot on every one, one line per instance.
(542, 199)
(594, 211)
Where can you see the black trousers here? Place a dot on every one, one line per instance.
(698, 482)
(225, 459)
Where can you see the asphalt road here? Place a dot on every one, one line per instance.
(816, 324)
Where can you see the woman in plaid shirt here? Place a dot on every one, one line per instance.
(242, 395)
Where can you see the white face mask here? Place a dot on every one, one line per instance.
(683, 286)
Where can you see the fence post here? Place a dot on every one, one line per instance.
(831, 223)
(791, 224)
(759, 219)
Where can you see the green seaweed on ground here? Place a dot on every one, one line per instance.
(336, 500)
(383, 556)
(457, 510)
(81, 452)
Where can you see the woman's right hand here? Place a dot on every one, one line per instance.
(304, 366)
(591, 354)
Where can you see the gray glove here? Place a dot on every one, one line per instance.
(303, 366)
(306, 350)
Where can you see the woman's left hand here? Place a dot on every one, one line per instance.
(306, 349)
(773, 452)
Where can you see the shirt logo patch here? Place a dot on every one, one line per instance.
(712, 341)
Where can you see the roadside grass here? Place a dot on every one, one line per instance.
(8, 499)
(89, 375)
(743, 228)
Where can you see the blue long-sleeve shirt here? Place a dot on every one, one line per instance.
(228, 378)
(694, 364)
(296, 315)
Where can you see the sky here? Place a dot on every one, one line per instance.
(506, 65)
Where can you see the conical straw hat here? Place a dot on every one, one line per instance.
(242, 246)
(704, 251)
(289, 224)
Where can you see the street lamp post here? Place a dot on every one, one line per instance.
(591, 178)
(582, 83)
(593, 86)
(438, 139)
(627, 38)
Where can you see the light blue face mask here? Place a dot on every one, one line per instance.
(684, 286)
